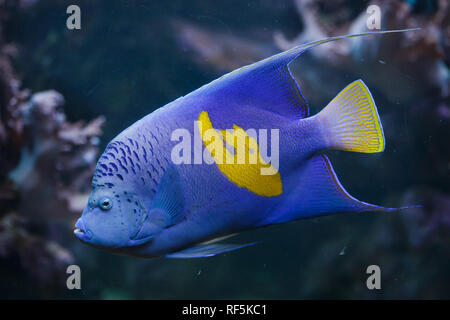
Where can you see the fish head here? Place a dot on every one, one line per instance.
(112, 219)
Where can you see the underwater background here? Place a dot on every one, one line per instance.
(64, 94)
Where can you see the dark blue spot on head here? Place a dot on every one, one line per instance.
(119, 176)
(159, 163)
(136, 155)
(145, 154)
(113, 165)
(111, 155)
(124, 168)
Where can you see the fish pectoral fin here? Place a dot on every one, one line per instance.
(206, 250)
(168, 203)
(166, 210)
(156, 221)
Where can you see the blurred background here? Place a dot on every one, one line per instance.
(65, 93)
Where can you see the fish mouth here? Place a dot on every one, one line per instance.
(81, 232)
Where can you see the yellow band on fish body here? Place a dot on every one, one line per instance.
(243, 168)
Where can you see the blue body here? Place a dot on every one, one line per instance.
(153, 216)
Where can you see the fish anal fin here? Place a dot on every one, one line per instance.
(324, 194)
(319, 192)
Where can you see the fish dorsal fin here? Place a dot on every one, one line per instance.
(268, 84)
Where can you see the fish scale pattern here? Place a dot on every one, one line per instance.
(132, 158)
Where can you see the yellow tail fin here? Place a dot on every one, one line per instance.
(351, 122)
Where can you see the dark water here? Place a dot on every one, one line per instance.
(128, 60)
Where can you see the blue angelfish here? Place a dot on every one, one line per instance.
(176, 183)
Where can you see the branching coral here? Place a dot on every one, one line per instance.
(46, 163)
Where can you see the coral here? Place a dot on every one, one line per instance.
(46, 163)
(421, 52)
(222, 50)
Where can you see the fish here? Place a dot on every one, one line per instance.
(197, 171)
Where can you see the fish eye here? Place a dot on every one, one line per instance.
(105, 203)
